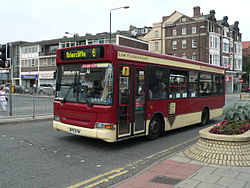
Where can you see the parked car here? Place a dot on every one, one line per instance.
(23, 89)
(48, 89)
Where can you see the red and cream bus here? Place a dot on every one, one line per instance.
(113, 92)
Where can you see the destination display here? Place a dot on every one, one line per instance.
(84, 53)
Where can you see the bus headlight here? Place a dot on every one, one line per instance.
(109, 126)
(56, 118)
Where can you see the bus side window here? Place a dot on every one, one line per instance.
(193, 84)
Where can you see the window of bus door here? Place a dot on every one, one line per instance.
(85, 83)
(139, 100)
(124, 127)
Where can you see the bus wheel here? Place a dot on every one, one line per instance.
(204, 117)
(155, 128)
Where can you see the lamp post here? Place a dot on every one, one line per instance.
(126, 7)
(74, 35)
(201, 27)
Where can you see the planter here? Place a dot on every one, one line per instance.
(231, 150)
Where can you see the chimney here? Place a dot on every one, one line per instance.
(197, 12)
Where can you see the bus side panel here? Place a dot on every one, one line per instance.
(187, 111)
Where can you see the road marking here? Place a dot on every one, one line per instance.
(96, 177)
(106, 179)
(121, 171)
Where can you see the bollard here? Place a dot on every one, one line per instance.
(242, 96)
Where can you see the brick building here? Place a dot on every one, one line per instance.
(202, 38)
(246, 48)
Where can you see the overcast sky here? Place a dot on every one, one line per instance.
(36, 20)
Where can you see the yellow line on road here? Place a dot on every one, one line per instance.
(106, 179)
(117, 172)
(95, 178)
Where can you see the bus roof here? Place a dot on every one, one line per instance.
(143, 56)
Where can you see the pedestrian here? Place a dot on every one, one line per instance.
(3, 99)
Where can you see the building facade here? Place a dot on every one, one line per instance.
(246, 48)
(201, 38)
(38, 59)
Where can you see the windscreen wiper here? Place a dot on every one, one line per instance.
(68, 91)
(67, 94)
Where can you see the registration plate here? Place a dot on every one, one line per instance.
(74, 131)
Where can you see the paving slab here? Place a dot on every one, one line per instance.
(226, 173)
(231, 182)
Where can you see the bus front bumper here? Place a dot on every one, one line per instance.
(103, 134)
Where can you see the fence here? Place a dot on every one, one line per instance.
(26, 105)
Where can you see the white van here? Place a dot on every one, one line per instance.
(48, 89)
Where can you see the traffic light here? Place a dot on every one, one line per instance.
(4, 63)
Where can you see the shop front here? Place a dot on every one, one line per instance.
(29, 80)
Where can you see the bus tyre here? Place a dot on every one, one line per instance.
(204, 117)
(155, 128)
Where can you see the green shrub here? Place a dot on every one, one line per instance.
(237, 112)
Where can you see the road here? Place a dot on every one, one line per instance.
(34, 155)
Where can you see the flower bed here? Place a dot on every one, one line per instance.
(232, 150)
(231, 127)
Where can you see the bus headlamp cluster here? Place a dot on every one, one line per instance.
(109, 126)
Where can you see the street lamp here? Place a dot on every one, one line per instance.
(74, 35)
(201, 27)
(126, 7)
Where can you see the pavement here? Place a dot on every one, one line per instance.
(178, 171)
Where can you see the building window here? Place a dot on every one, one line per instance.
(184, 31)
(52, 49)
(194, 43)
(215, 42)
(184, 19)
(174, 45)
(174, 32)
(193, 30)
(194, 57)
(211, 59)
(225, 47)
(156, 46)
(101, 40)
(211, 42)
(184, 44)
(90, 41)
(184, 56)
(211, 28)
(157, 33)
(226, 62)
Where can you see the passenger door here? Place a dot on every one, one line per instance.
(131, 110)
